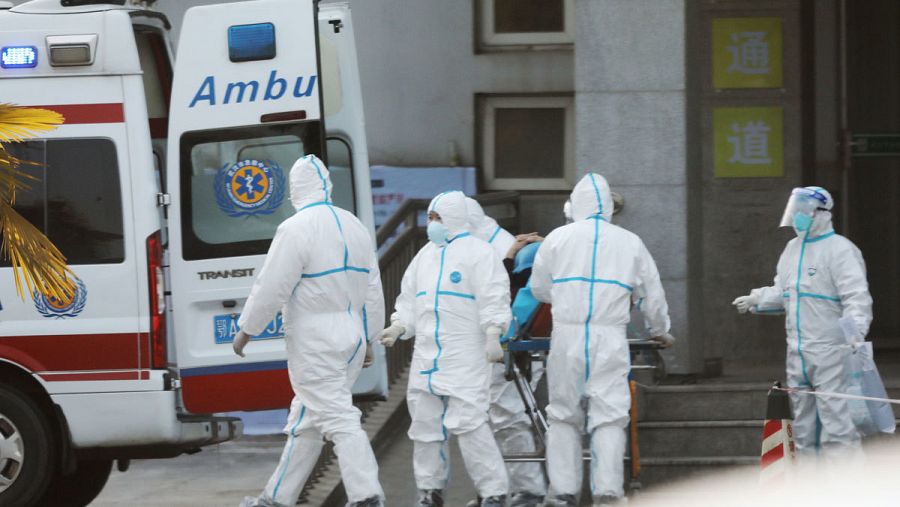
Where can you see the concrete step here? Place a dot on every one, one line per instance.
(688, 439)
(657, 471)
(713, 402)
(710, 402)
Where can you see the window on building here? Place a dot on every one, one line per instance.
(527, 141)
(75, 198)
(525, 24)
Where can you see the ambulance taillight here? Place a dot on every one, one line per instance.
(157, 301)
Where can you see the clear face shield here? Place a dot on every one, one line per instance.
(801, 207)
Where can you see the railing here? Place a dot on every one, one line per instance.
(393, 263)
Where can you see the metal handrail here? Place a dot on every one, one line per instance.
(407, 211)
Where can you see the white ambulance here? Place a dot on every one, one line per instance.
(163, 188)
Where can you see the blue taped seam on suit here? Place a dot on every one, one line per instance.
(290, 451)
(494, 235)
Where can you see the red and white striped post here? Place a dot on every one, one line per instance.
(778, 452)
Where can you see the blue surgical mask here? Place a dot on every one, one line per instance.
(802, 221)
(437, 233)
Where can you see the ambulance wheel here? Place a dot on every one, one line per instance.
(27, 452)
(81, 486)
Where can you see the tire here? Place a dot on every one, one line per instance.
(80, 487)
(28, 454)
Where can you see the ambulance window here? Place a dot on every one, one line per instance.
(340, 164)
(76, 200)
(234, 186)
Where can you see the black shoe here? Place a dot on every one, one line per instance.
(494, 501)
(525, 499)
(430, 498)
(560, 501)
(372, 501)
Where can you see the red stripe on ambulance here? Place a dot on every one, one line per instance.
(257, 390)
(74, 114)
(74, 352)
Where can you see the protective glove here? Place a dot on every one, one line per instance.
(370, 356)
(391, 333)
(240, 341)
(492, 349)
(851, 331)
(744, 303)
(665, 341)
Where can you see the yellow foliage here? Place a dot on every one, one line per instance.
(34, 258)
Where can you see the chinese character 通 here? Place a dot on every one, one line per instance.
(749, 53)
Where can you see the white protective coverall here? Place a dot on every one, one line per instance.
(821, 277)
(589, 270)
(322, 273)
(511, 425)
(449, 296)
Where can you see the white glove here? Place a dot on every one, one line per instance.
(370, 356)
(391, 333)
(492, 349)
(744, 303)
(851, 331)
(665, 341)
(240, 341)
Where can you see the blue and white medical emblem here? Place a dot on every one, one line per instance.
(249, 187)
(455, 277)
(68, 306)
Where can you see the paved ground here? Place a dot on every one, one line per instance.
(399, 485)
(222, 475)
(218, 476)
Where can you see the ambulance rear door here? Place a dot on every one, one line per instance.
(245, 105)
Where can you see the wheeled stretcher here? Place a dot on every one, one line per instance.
(523, 352)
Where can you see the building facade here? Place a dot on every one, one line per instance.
(703, 114)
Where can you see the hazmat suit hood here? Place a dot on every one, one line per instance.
(451, 206)
(480, 225)
(310, 182)
(591, 196)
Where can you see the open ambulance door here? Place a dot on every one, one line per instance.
(245, 105)
(348, 154)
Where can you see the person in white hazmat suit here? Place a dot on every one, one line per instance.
(454, 299)
(511, 425)
(589, 271)
(486, 228)
(321, 271)
(821, 288)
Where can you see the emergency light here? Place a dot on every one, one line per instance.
(248, 43)
(18, 57)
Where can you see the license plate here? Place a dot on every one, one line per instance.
(225, 327)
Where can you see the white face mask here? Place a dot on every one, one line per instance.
(437, 233)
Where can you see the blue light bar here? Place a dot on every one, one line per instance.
(18, 57)
(248, 43)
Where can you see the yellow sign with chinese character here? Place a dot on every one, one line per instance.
(747, 53)
(748, 142)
